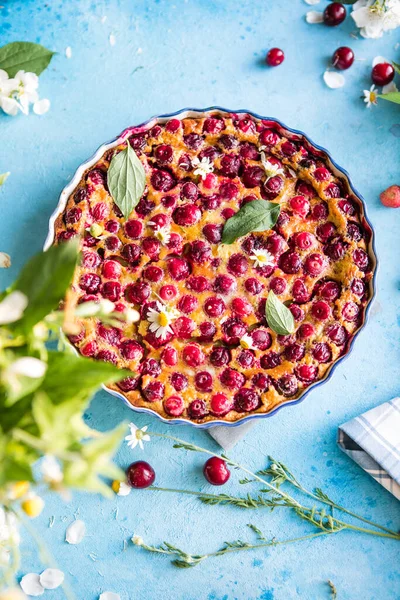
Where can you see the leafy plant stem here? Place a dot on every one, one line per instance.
(36, 444)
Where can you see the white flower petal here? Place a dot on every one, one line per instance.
(68, 51)
(313, 16)
(5, 260)
(378, 60)
(124, 489)
(51, 579)
(112, 39)
(3, 75)
(28, 366)
(31, 585)
(41, 106)
(10, 106)
(137, 540)
(12, 307)
(75, 532)
(109, 596)
(390, 87)
(312, 2)
(334, 80)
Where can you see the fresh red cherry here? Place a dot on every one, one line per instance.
(274, 57)
(140, 474)
(343, 58)
(215, 471)
(382, 73)
(334, 14)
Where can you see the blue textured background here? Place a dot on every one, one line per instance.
(199, 54)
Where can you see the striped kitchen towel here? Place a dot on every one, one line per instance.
(372, 440)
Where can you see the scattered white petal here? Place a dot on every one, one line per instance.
(389, 88)
(312, 2)
(31, 585)
(12, 307)
(75, 532)
(41, 107)
(139, 51)
(124, 489)
(51, 579)
(68, 51)
(313, 16)
(132, 315)
(334, 80)
(51, 470)
(5, 260)
(103, 19)
(378, 60)
(112, 39)
(109, 596)
(28, 366)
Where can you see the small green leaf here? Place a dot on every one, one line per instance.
(279, 317)
(44, 280)
(25, 56)
(126, 179)
(3, 178)
(391, 97)
(69, 376)
(258, 215)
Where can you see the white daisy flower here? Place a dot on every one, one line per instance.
(374, 17)
(262, 258)
(270, 168)
(203, 166)
(163, 234)
(121, 488)
(247, 342)
(137, 436)
(160, 320)
(371, 96)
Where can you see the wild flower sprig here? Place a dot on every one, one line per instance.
(269, 496)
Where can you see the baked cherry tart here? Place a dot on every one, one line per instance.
(235, 211)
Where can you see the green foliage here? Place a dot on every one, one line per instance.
(126, 179)
(258, 215)
(26, 56)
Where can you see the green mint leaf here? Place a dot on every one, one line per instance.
(44, 280)
(391, 97)
(279, 317)
(3, 178)
(69, 376)
(26, 56)
(258, 215)
(126, 179)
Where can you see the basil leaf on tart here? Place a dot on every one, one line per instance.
(257, 215)
(279, 317)
(126, 179)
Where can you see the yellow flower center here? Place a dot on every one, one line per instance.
(244, 344)
(163, 320)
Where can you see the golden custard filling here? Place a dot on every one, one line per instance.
(202, 348)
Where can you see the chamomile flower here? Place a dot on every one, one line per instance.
(163, 234)
(121, 488)
(160, 319)
(270, 168)
(262, 258)
(137, 540)
(246, 342)
(371, 96)
(203, 166)
(137, 436)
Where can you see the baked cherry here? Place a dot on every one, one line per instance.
(213, 233)
(382, 73)
(306, 373)
(314, 264)
(290, 262)
(187, 303)
(322, 352)
(214, 306)
(343, 58)
(193, 355)
(203, 381)
(174, 406)
(337, 333)
(197, 409)
(168, 292)
(179, 381)
(220, 405)
(232, 379)
(287, 385)
(140, 474)
(178, 268)
(274, 57)
(246, 400)
(270, 360)
(320, 310)
(169, 356)
(131, 350)
(216, 471)
(220, 356)
(334, 14)
(186, 215)
(183, 328)
(253, 286)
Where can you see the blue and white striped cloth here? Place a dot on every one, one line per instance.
(372, 440)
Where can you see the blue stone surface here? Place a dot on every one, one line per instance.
(170, 54)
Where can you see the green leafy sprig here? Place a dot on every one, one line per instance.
(269, 496)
